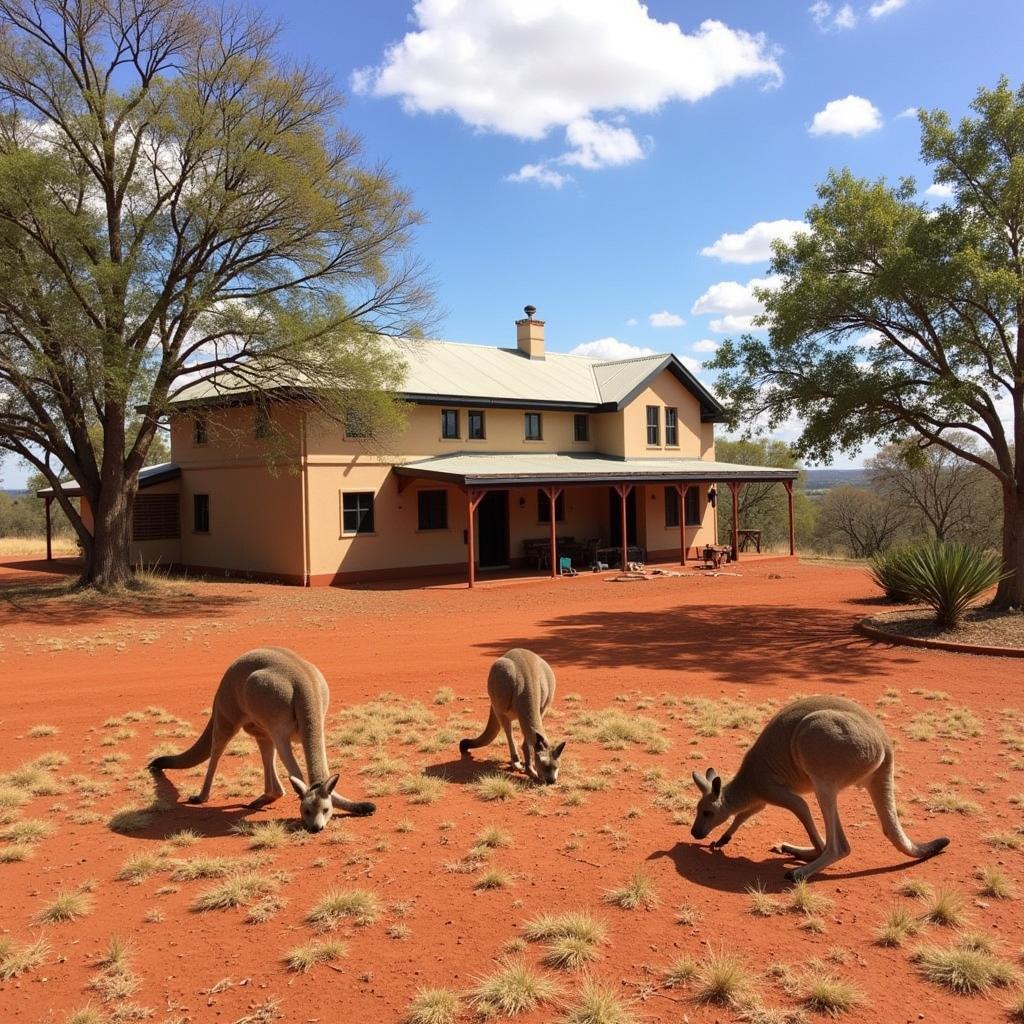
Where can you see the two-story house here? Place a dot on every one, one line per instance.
(508, 456)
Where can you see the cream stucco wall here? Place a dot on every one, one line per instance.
(664, 391)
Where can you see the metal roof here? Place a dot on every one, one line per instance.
(511, 468)
(450, 371)
(149, 476)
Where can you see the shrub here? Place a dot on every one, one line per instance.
(885, 571)
(947, 577)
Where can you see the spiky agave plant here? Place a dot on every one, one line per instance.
(948, 577)
(884, 570)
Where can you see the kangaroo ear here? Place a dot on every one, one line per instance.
(711, 774)
(298, 785)
(716, 786)
(557, 752)
(702, 784)
(540, 743)
(327, 788)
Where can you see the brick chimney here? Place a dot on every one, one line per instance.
(530, 334)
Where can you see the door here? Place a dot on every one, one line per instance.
(492, 530)
(615, 517)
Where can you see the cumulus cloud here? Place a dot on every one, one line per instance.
(884, 7)
(539, 174)
(666, 319)
(853, 115)
(938, 190)
(908, 112)
(871, 339)
(737, 301)
(610, 348)
(693, 365)
(705, 345)
(826, 17)
(506, 67)
(631, 322)
(755, 244)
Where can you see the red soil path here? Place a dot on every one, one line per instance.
(777, 630)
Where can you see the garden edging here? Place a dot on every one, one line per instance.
(865, 628)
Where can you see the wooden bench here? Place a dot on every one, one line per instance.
(715, 555)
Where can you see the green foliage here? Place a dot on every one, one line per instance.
(947, 577)
(886, 570)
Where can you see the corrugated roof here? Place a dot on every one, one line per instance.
(519, 467)
(451, 370)
(149, 476)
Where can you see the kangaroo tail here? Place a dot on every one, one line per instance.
(490, 731)
(884, 797)
(196, 754)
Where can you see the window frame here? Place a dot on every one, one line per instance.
(455, 418)
(200, 431)
(482, 416)
(420, 495)
(544, 508)
(654, 426)
(696, 519)
(540, 426)
(578, 419)
(200, 501)
(671, 508)
(358, 531)
(671, 429)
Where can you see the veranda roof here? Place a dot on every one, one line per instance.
(149, 476)
(495, 469)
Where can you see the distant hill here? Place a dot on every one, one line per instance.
(817, 481)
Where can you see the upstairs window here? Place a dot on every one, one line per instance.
(476, 426)
(357, 512)
(544, 507)
(693, 507)
(653, 427)
(450, 424)
(199, 432)
(201, 513)
(433, 510)
(671, 507)
(581, 427)
(532, 426)
(671, 427)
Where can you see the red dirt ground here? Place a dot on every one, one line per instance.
(776, 631)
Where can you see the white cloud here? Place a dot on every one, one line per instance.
(525, 67)
(825, 19)
(754, 244)
(540, 174)
(938, 190)
(871, 339)
(693, 365)
(631, 322)
(853, 115)
(610, 348)
(705, 345)
(884, 7)
(908, 112)
(737, 301)
(666, 319)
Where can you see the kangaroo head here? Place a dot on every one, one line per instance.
(712, 809)
(315, 805)
(547, 759)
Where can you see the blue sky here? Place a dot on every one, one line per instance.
(663, 136)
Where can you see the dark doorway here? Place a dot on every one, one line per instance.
(615, 517)
(492, 528)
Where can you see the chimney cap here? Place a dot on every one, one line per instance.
(529, 311)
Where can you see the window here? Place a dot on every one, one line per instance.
(693, 507)
(476, 426)
(155, 517)
(450, 424)
(672, 427)
(653, 426)
(671, 507)
(581, 428)
(433, 510)
(201, 513)
(261, 422)
(355, 425)
(544, 507)
(357, 512)
(533, 426)
(199, 435)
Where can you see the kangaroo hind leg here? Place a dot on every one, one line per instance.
(272, 788)
(836, 844)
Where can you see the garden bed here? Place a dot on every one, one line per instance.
(982, 631)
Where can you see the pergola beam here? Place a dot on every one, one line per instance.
(473, 498)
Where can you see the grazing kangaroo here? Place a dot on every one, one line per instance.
(522, 684)
(824, 744)
(276, 697)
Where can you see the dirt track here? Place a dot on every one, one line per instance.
(778, 630)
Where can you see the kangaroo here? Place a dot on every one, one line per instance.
(275, 696)
(522, 684)
(824, 744)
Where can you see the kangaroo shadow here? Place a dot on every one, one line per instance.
(464, 771)
(724, 872)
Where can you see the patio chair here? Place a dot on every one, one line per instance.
(565, 567)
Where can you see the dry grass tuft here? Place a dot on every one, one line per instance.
(129, 820)
(493, 879)
(360, 906)
(945, 907)
(422, 789)
(317, 951)
(433, 1006)
(139, 866)
(497, 786)
(493, 838)
(616, 730)
(570, 952)
(30, 830)
(898, 925)
(194, 868)
(18, 959)
(680, 972)
(804, 900)
(994, 884)
(639, 891)
(266, 835)
(597, 1003)
(576, 924)
(722, 978)
(237, 890)
(512, 989)
(825, 993)
(966, 971)
(66, 906)
(762, 903)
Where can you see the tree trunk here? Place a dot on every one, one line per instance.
(1010, 593)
